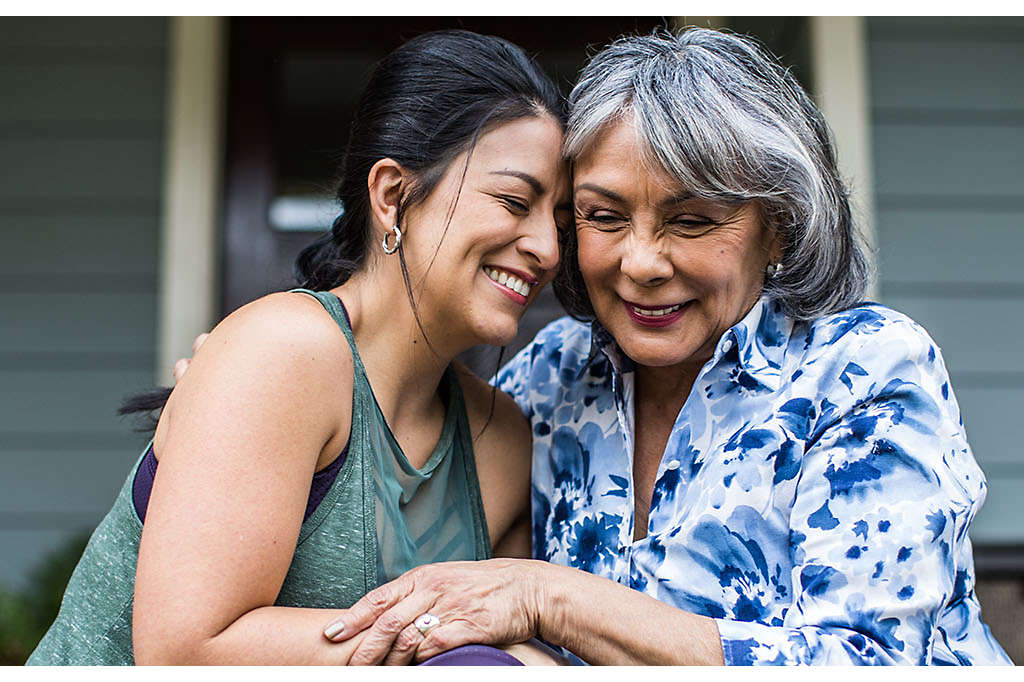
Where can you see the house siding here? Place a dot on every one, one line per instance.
(948, 139)
(81, 138)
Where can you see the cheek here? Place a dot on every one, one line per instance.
(596, 255)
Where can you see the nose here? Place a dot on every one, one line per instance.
(645, 261)
(540, 240)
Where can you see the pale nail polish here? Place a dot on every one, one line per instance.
(334, 629)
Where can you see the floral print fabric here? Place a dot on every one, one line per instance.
(814, 496)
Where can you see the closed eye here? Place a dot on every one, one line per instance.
(602, 219)
(692, 225)
(516, 206)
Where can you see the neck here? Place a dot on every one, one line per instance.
(403, 368)
(665, 389)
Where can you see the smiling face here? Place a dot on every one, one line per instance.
(667, 273)
(474, 277)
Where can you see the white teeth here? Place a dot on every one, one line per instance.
(509, 281)
(656, 313)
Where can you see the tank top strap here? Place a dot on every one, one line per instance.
(332, 304)
(336, 309)
(422, 515)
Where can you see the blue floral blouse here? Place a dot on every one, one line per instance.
(814, 497)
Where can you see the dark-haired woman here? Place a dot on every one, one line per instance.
(278, 484)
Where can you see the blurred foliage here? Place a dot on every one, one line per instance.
(26, 614)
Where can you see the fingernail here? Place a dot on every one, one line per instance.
(334, 629)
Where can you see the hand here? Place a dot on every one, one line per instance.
(483, 602)
(181, 366)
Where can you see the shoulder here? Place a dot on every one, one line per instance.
(870, 340)
(560, 349)
(282, 348)
(865, 324)
(561, 341)
(875, 358)
(295, 319)
(285, 333)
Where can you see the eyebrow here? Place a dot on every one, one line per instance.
(677, 199)
(614, 196)
(597, 189)
(533, 182)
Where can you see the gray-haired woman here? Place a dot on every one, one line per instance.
(735, 460)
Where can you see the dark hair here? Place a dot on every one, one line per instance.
(425, 103)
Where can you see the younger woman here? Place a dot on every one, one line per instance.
(322, 442)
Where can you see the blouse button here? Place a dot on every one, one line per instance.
(727, 345)
(672, 464)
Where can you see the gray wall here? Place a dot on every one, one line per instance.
(947, 99)
(81, 139)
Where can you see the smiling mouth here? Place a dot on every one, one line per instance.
(656, 316)
(655, 312)
(509, 281)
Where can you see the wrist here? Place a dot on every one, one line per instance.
(551, 600)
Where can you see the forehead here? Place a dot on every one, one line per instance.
(616, 156)
(530, 144)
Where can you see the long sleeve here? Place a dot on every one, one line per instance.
(882, 565)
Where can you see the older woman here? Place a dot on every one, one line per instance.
(734, 459)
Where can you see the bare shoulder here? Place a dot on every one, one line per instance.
(283, 348)
(289, 330)
(295, 319)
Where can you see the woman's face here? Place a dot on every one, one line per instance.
(667, 273)
(501, 245)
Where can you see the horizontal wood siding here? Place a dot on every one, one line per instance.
(81, 138)
(948, 125)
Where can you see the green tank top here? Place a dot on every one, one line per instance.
(380, 517)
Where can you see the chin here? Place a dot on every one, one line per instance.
(662, 353)
(497, 331)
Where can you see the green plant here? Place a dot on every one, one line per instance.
(26, 614)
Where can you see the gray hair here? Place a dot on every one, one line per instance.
(720, 115)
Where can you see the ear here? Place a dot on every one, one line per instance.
(386, 181)
(772, 240)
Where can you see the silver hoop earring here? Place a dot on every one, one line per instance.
(398, 240)
(773, 270)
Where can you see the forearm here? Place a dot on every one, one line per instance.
(270, 635)
(606, 623)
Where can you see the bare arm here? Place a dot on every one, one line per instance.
(606, 623)
(510, 600)
(243, 432)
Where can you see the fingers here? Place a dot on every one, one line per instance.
(404, 648)
(446, 637)
(180, 367)
(383, 635)
(200, 340)
(365, 611)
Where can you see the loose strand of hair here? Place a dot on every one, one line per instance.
(494, 394)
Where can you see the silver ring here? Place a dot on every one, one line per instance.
(426, 622)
